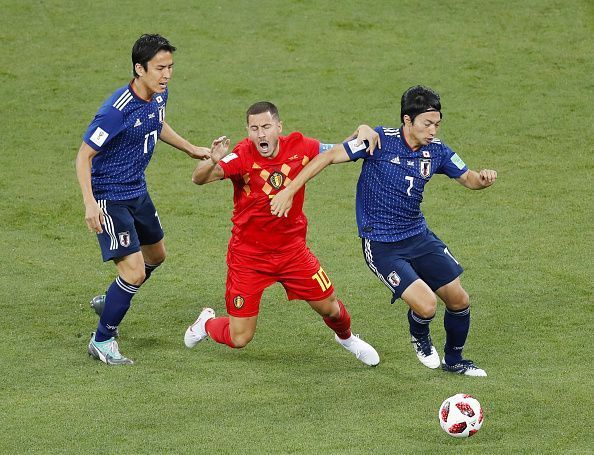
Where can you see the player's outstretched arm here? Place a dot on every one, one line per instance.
(209, 170)
(169, 136)
(478, 180)
(282, 202)
(93, 213)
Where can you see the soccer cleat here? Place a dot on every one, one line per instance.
(197, 331)
(107, 351)
(98, 303)
(465, 367)
(426, 352)
(363, 351)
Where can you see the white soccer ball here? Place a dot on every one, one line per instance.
(461, 416)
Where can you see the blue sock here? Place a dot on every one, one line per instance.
(457, 325)
(117, 302)
(419, 327)
(149, 269)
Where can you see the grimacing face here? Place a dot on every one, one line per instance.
(424, 128)
(158, 72)
(264, 130)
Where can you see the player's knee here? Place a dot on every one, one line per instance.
(427, 307)
(136, 277)
(461, 301)
(241, 340)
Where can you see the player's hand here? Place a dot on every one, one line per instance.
(219, 148)
(488, 177)
(366, 133)
(199, 153)
(94, 217)
(281, 203)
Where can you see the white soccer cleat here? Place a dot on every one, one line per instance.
(363, 351)
(426, 352)
(197, 331)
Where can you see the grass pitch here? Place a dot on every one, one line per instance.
(516, 84)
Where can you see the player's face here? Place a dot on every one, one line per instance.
(263, 131)
(423, 130)
(158, 72)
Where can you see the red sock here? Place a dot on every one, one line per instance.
(218, 330)
(342, 324)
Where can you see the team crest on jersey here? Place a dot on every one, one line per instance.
(425, 167)
(161, 114)
(124, 238)
(276, 179)
(394, 279)
(238, 302)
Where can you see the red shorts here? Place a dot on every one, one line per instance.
(298, 270)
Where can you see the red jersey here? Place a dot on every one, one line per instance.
(256, 180)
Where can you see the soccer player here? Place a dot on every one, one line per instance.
(397, 244)
(264, 249)
(110, 164)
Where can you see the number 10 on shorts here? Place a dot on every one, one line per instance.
(322, 279)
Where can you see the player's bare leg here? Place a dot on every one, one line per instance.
(336, 317)
(456, 322)
(423, 304)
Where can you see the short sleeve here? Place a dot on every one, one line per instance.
(453, 166)
(106, 125)
(232, 164)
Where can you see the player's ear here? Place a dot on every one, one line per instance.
(280, 126)
(406, 119)
(139, 69)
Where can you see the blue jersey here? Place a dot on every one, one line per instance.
(124, 133)
(391, 184)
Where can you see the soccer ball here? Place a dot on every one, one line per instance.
(461, 416)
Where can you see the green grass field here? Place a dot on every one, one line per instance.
(516, 80)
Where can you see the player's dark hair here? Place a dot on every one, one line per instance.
(419, 99)
(146, 47)
(259, 108)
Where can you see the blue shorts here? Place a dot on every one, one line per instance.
(128, 224)
(399, 264)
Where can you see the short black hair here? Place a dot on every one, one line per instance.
(146, 47)
(419, 99)
(259, 108)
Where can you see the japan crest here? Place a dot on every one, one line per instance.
(124, 238)
(425, 167)
(394, 279)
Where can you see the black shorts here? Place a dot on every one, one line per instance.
(399, 264)
(128, 224)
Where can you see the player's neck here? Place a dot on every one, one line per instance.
(141, 90)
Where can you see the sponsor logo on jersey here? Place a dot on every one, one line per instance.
(137, 123)
(276, 179)
(395, 160)
(229, 157)
(124, 238)
(294, 157)
(458, 161)
(425, 167)
(238, 302)
(394, 279)
(159, 99)
(99, 136)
